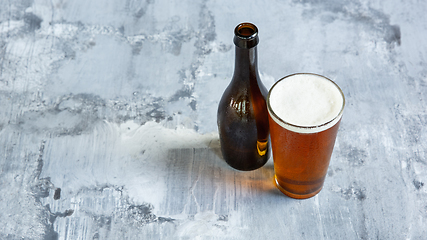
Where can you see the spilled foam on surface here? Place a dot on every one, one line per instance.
(129, 154)
(126, 180)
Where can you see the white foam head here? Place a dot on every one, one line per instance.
(305, 103)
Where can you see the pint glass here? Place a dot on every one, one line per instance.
(305, 111)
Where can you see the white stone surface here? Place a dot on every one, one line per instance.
(108, 119)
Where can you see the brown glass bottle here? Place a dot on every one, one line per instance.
(242, 111)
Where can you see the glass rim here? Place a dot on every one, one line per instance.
(307, 129)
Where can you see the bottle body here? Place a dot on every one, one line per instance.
(242, 112)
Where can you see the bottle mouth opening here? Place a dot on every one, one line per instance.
(246, 30)
(246, 35)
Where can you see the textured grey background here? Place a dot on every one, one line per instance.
(108, 119)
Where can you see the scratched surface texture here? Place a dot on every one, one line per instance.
(108, 119)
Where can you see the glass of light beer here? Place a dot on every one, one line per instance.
(305, 111)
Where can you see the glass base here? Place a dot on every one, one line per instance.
(294, 195)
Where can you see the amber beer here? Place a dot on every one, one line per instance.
(304, 114)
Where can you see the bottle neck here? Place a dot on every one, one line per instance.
(246, 63)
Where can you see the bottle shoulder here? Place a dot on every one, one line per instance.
(263, 89)
(240, 101)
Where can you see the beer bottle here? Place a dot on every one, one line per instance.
(242, 112)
